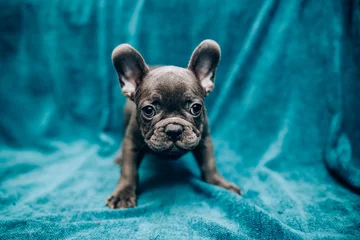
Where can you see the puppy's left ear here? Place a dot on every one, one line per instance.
(203, 63)
(130, 67)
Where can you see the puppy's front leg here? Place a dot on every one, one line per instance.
(204, 156)
(124, 195)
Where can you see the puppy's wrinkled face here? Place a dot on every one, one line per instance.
(170, 110)
(169, 100)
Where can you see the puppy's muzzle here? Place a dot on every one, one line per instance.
(173, 134)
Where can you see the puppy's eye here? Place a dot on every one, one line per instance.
(148, 112)
(195, 109)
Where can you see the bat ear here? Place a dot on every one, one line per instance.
(130, 67)
(203, 63)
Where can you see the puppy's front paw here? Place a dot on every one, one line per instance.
(122, 198)
(218, 180)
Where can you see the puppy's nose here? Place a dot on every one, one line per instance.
(173, 132)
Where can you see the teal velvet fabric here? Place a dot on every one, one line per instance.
(284, 118)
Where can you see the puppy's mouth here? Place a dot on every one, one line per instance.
(173, 136)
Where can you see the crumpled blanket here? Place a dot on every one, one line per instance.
(284, 118)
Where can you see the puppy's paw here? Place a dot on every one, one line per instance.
(218, 180)
(123, 198)
(232, 187)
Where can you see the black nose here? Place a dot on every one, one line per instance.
(173, 132)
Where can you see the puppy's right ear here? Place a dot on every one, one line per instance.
(203, 63)
(130, 67)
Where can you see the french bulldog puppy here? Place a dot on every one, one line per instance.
(165, 114)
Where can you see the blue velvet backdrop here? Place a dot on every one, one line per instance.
(285, 110)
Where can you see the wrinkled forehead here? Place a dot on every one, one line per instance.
(169, 83)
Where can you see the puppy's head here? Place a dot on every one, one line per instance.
(169, 100)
